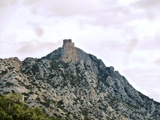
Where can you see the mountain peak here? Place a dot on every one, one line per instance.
(68, 53)
(72, 84)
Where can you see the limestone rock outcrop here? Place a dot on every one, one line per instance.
(74, 85)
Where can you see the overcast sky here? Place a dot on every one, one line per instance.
(123, 33)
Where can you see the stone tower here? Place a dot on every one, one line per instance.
(69, 53)
(67, 43)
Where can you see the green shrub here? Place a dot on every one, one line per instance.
(11, 108)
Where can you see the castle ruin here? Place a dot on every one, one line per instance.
(70, 53)
(67, 43)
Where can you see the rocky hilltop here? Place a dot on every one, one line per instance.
(74, 85)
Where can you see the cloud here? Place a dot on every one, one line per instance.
(132, 45)
(60, 7)
(156, 93)
(149, 44)
(150, 8)
(8, 49)
(157, 61)
(34, 11)
(146, 83)
(64, 7)
(103, 13)
(147, 4)
(35, 47)
(30, 2)
(39, 31)
(157, 38)
(128, 49)
(27, 49)
(4, 3)
(112, 45)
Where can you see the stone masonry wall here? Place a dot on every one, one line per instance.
(70, 53)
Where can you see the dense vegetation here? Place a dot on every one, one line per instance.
(13, 108)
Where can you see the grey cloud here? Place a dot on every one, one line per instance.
(77, 7)
(103, 46)
(111, 44)
(147, 3)
(30, 2)
(110, 51)
(143, 77)
(104, 13)
(128, 49)
(5, 3)
(157, 61)
(157, 38)
(112, 15)
(27, 49)
(39, 31)
(7, 50)
(115, 16)
(10, 37)
(150, 7)
(132, 45)
(69, 8)
(64, 7)
(34, 11)
(155, 94)
(139, 59)
(36, 47)
(149, 43)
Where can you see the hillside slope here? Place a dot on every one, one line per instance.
(72, 84)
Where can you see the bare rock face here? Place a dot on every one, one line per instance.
(11, 63)
(74, 85)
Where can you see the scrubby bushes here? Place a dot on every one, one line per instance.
(12, 108)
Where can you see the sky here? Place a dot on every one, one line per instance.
(123, 33)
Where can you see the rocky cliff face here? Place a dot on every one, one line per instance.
(72, 84)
